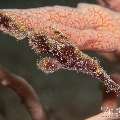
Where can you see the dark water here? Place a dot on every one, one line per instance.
(65, 94)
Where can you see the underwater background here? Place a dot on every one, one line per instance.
(66, 95)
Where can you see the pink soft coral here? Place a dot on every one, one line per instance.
(89, 27)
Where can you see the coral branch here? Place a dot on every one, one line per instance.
(112, 4)
(104, 116)
(89, 27)
(111, 57)
(25, 92)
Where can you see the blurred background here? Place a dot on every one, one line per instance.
(66, 95)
